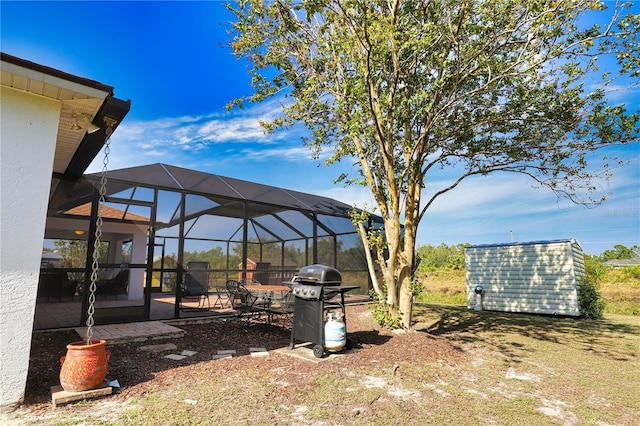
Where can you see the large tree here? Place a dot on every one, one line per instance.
(409, 87)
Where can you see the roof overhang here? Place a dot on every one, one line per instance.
(82, 100)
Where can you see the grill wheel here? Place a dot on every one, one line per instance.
(318, 351)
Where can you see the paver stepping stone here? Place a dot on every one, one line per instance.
(175, 357)
(221, 356)
(258, 352)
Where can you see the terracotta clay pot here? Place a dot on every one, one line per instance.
(85, 366)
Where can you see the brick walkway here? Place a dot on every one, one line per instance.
(132, 332)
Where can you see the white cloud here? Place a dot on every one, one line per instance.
(486, 210)
(357, 196)
(289, 153)
(138, 142)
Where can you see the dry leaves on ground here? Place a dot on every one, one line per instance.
(137, 371)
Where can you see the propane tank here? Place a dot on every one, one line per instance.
(335, 335)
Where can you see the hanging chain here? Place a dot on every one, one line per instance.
(96, 244)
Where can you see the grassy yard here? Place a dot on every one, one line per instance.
(531, 369)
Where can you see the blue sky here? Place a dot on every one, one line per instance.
(172, 60)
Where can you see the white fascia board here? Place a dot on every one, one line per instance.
(90, 92)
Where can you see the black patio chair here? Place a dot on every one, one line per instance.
(56, 284)
(196, 286)
(246, 305)
(117, 285)
(281, 306)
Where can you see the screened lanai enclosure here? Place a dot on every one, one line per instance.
(160, 223)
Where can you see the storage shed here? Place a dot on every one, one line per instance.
(534, 277)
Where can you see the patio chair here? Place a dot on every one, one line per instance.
(282, 306)
(117, 285)
(246, 305)
(56, 284)
(196, 286)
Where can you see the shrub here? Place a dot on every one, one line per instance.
(433, 258)
(633, 273)
(589, 298)
(595, 268)
(416, 287)
(380, 311)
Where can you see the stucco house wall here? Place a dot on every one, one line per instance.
(28, 130)
(37, 109)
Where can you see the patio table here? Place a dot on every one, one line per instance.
(266, 292)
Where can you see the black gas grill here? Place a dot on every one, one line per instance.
(319, 274)
(315, 290)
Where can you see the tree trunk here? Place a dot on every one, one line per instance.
(406, 307)
(396, 269)
(407, 256)
(370, 265)
(405, 299)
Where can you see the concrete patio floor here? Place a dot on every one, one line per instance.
(162, 324)
(67, 314)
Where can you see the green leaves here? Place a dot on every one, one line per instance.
(409, 87)
(590, 300)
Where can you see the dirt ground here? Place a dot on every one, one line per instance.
(458, 366)
(138, 371)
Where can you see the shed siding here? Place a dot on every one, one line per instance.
(579, 268)
(537, 277)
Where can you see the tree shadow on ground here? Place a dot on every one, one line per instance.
(607, 337)
(368, 338)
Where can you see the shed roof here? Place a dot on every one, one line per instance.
(527, 243)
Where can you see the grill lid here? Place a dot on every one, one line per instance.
(319, 275)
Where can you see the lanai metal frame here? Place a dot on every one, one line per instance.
(179, 203)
